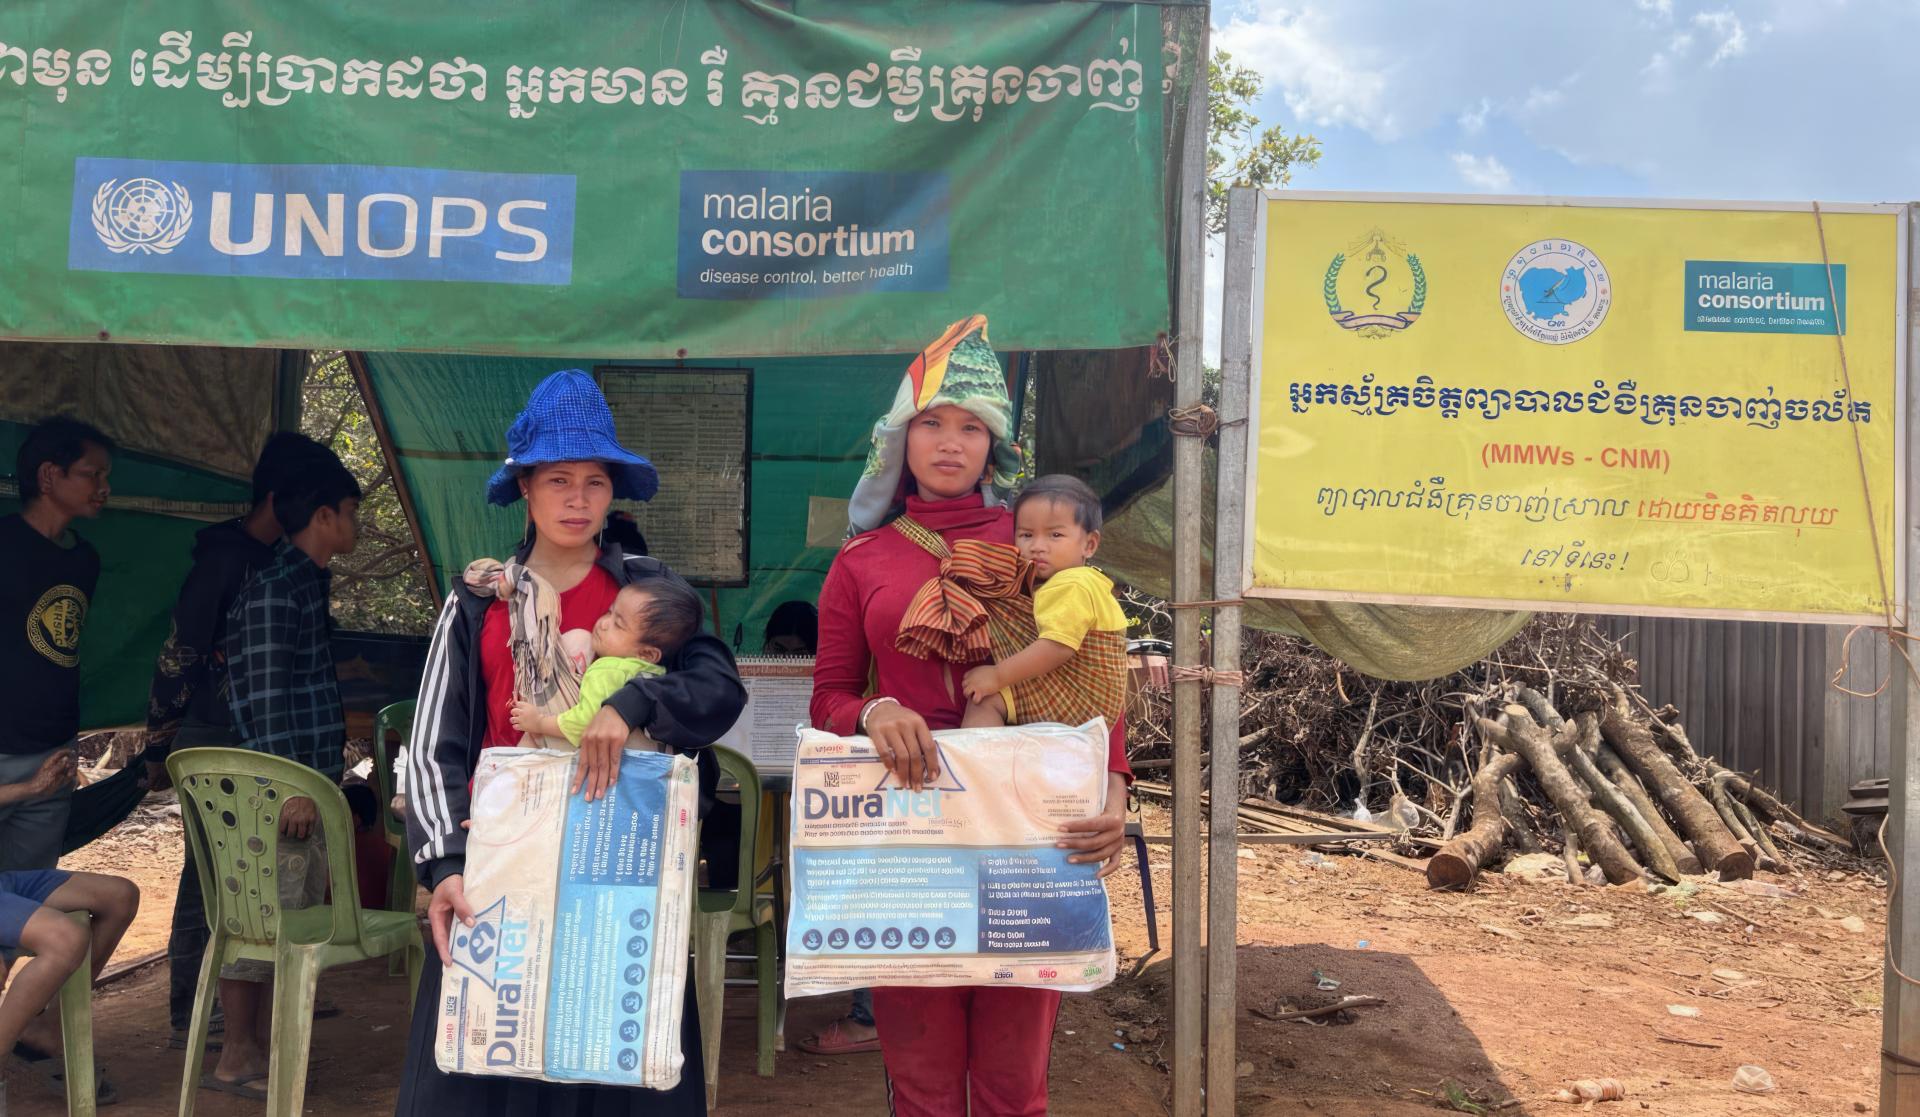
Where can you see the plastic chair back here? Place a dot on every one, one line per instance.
(230, 806)
(739, 899)
(397, 719)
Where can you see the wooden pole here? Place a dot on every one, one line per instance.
(1900, 1026)
(357, 363)
(1229, 556)
(1189, 976)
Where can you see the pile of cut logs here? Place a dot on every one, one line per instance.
(1547, 746)
(1628, 789)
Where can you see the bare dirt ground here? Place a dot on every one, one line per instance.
(1507, 993)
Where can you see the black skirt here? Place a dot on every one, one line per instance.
(425, 1091)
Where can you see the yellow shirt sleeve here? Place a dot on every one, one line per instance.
(1075, 602)
(603, 679)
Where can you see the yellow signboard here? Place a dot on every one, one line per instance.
(1689, 409)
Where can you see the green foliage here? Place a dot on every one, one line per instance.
(1461, 1102)
(1239, 151)
(380, 587)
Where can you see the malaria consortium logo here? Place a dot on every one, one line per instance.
(141, 215)
(1376, 288)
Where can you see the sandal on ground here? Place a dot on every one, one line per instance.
(242, 1087)
(832, 1040)
(216, 1029)
(52, 1070)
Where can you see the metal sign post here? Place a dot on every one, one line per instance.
(1900, 1027)
(1189, 987)
(1230, 494)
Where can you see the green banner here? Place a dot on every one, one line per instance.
(583, 178)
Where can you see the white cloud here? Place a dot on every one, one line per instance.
(1624, 94)
(1483, 172)
(1540, 100)
(1661, 8)
(1659, 68)
(1732, 35)
(1323, 80)
(1474, 119)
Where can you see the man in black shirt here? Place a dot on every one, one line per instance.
(187, 707)
(63, 467)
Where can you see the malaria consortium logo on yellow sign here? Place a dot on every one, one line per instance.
(1376, 288)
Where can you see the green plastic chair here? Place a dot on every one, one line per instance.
(76, 1031)
(401, 885)
(230, 801)
(721, 913)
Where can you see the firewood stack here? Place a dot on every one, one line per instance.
(1545, 746)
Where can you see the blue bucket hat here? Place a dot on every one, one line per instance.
(567, 420)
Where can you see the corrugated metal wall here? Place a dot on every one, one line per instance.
(1756, 697)
(1859, 730)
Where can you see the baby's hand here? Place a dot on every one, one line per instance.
(525, 716)
(981, 682)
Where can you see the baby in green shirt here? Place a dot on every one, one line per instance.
(647, 622)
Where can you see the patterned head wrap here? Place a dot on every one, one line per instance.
(961, 369)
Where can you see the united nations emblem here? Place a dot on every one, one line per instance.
(53, 625)
(1385, 275)
(141, 215)
(1555, 291)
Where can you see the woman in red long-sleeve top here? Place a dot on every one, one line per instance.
(948, 1052)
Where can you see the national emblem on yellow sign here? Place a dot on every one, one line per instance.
(1376, 288)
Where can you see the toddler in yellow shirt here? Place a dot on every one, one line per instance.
(1077, 668)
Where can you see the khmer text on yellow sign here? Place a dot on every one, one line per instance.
(1633, 409)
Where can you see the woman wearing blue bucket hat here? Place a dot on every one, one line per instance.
(564, 460)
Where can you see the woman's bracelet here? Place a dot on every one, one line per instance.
(861, 722)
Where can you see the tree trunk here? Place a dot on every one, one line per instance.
(1520, 827)
(1465, 855)
(1737, 826)
(1570, 852)
(1541, 709)
(1615, 770)
(1718, 849)
(1524, 735)
(1615, 802)
(1769, 858)
(1747, 829)
(1758, 798)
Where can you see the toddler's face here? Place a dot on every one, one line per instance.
(622, 631)
(1048, 536)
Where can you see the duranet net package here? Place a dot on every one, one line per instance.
(575, 965)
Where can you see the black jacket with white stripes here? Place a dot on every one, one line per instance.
(686, 709)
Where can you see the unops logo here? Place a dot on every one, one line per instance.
(320, 221)
(141, 215)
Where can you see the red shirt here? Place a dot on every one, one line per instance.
(867, 592)
(580, 607)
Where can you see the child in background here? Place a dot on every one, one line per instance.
(647, 622)
(33, 917)
(1077, 669)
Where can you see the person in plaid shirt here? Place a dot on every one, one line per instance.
(285, 700)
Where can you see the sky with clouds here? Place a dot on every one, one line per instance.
(1741, 99)
(1762, 99)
